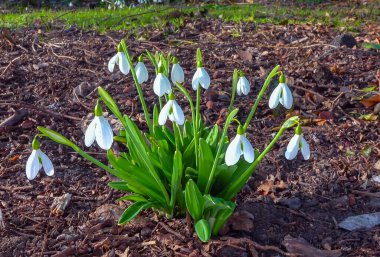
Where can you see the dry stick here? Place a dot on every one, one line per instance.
(45, 111)
(9, 65)
(2, 224)
(310, 91)
(258, 246)
(364, 193)
(355, 121)
(15, 118)
(171, 231)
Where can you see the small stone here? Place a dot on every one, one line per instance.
(360, 222)
(210, 105)
(344, 40)
(293, 203)
(376, 110)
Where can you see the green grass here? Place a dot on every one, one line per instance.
(350, 17)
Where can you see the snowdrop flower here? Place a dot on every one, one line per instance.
(239, 146)
(121, 60)
(281, 94)
(141, 71)
(297, 142)
(201, 77)
(38, 160)
(71, 5)
(177, 73)
(161, 84)
(243, 86)
(171, 110)
(99, 130)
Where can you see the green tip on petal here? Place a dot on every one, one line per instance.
(141, 58)
(298, 130)
(199, 64)
(240, 130)
(282, 78)
(98, 109)
(35, 144)
(175, 60)
(160, 69)
(171, 96)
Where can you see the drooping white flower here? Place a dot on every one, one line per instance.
(141, 71)
(200, 77)
(38, 160)
(243, 86)
(239, 146)
(99, 130)
(281, 94)
(177, 74)
(161, 84)
(120, 59)
(172, 110)
(297, 142)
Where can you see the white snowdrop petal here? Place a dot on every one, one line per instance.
(238, 88)
(141, 72)
(123, 63)
(179, 117)
(46, 163)
(89, 136)
(103, 133)
(166, 87)
(305, 149)
(157, 85)
(195, 81)
(249, 153)
(245, 86)
(112, 62)
(177, 74)
(274, 98)
(163, 116)
(292, 148)
(204, 79)
(233, 152)
(32, 165)
(287, 97)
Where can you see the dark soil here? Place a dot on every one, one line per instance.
(52, 75)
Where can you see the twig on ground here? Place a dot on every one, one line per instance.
(9, 65)
(257, 246)
(171, 231)
(2, 224)
(15, 118)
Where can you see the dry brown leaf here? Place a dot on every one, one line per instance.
(371, 101)
(245, 55)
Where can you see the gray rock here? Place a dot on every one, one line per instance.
(360, 222)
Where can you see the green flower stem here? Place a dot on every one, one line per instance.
(219, 151)
(160, 101)
(196, 124)
(93, 160)
(261, 93)
(138, 87)
(187, 95)
(235, 78)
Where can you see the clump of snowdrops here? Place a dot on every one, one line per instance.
(178, 165)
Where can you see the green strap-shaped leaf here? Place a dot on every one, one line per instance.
(205, 164)
(133, 198)
(56, 137)
(194, 200)
(203, 229)
(133, 210)
(176, 177)
(108, 100)
(119, 185)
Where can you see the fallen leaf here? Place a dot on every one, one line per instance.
(369, 117)
(302, 248)
(14, 158)
(371, 101)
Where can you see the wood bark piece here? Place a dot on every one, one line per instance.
(59, 204)
(15, 118)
